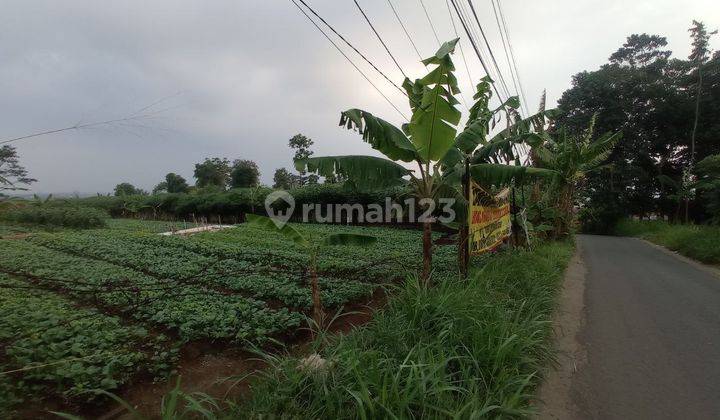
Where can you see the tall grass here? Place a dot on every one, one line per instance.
(462, 349)
(699, 242)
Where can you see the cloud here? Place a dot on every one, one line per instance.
(253, 73)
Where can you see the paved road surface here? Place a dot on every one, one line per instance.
(652, 334)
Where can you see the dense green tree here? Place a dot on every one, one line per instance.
(244, 174)
(160, 188)
(212, 172)
(708, 185)
(284, 179)
(176, 183)
(173, 183)
(12, 174)
(125, 188)
(652, 99)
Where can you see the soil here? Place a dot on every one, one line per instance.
(222, 371)
(554, 396)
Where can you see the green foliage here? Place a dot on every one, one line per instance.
(380, 134)
(374, 172)
(699, 242)
(60, 349)
(422, 356)
(212, 172)
(602, 217)
(244, 174)
(708, 185)
(657, 137)
(175, 183)
(232, 203)
(57, 216)
(284, 180)
(125, 188)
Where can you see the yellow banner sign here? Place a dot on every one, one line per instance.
(489, 224)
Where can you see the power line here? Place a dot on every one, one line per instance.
(427, 15)
(487, 43)
(462, 53)
(397, 16)
(76, 127)
(349, 44)
(507, 55)
(379, 38)
(512, 55)
(490, 71)
(472, 42)
(348, 58)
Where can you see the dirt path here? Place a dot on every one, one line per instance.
(649, 345)
(554, 395)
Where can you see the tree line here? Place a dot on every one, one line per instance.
(668, 109)
(218, 174)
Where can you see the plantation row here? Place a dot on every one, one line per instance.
(194, 311)
(92, 309)
(167, 258)
(41, 329)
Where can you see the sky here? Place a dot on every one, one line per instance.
(237, 79)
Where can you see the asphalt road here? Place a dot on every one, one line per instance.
(651, 334)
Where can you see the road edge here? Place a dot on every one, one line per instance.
(554, 399)
(695, 263)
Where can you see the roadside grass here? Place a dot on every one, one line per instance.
(699, 242)
(461, 349)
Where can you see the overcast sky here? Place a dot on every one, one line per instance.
(239, 78)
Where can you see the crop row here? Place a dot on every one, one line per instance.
(52, 346)
(151, 255)
(194, 311)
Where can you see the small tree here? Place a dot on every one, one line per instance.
(213, 172)
(125, 188)
(312, 248)
(285, 180)
(11, 172)
(244, 174)
(572, 157)
(176, 183)
(301, 145)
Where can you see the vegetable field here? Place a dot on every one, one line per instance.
(105, 308)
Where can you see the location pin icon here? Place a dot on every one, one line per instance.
(280, 218)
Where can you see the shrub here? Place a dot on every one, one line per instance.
(230, 203)
(71, 217)
(700, 242)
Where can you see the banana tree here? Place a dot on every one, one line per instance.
(572, 157)
(425, 141)
(471, 149)
(312, 248)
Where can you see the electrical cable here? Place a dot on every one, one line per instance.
(397, 16)
(427, 15)
(512, 56)
(379, 38)
(349, 60)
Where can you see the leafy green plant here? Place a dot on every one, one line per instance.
(312, 248)
(573, 158)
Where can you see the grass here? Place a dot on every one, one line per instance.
(461, 349)
(698, 242)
